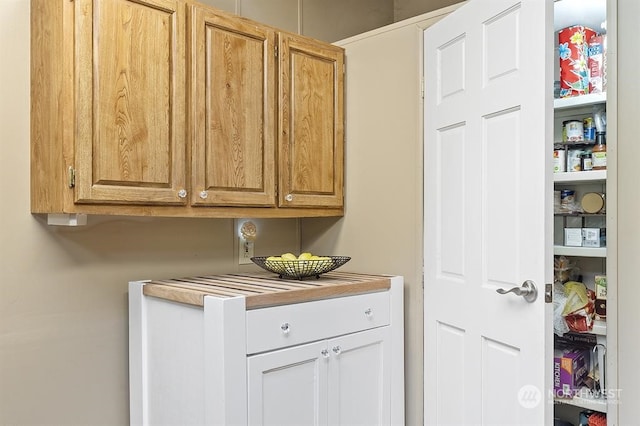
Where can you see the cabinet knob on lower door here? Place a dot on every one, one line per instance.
(204, 195)
(337, 350)
(288, 197)
(325, 353)
(285, 328)
(182, 193)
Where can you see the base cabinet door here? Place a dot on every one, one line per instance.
(340, 381)
(289, 386)
(359, 378)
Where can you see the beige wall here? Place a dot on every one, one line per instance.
(404, 9)
(382, 227)
(63, 291)
(628, 249)
(327, 20)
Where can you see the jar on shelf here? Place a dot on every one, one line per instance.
(599, 153)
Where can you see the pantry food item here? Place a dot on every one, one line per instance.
(592, 202)
(597, 64)
(288, 265)
(573, 43)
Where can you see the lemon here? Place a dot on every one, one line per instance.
(305, 256)
(289, 256)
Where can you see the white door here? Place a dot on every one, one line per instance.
(288, 386)
(359, 381)
(488, 221)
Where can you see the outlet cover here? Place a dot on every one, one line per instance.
(245, 251)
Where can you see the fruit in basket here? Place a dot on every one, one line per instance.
(289, 256)
(305, 256)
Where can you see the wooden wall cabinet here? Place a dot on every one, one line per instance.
(173, 108)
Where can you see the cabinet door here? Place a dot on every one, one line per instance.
(130, 104)
(311, 131)
(359, 378)
(289, 386)
(233, 115)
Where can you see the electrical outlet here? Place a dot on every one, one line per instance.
(245, 251)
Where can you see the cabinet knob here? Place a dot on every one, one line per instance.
(182, 193)
(204, 195)
(337, 350)
(288, 197)
(285, 328)
(325, 353)
(368, 313)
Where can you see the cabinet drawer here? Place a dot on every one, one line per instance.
(288, 325)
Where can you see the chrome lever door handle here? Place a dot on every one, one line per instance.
(528, 291)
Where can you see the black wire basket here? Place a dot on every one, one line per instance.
(300, 269)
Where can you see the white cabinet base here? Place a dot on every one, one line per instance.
(334, 360)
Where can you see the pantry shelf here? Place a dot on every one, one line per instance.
(589, 403)
(580, 251)
(589, 176)
(576, 101)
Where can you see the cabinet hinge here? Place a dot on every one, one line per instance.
(422, 87)
(72, 177)
(275, 51)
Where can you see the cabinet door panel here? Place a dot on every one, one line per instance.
(360, 378)
(311, 139)
(130, 101)
(288, 387)
(233, 80)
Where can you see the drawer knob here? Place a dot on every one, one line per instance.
(285, 328)
(368, 313)
(337, 350)
(325, 353)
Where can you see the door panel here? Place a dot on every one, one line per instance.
(233, 87)
(311, 144)
(130, 141)
(488, 90)
(288, 386)
(360, 379)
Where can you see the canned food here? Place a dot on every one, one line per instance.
(559, 160)
(573, 131)
(567, 200)
(589, 129)
(592, 202)
(574, 160)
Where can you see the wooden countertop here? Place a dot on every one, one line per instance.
(265, 289)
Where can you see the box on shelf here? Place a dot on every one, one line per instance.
(601, 296)
(594, 237)
(570, 369)
(573, 237)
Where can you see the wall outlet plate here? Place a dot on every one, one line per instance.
(245, 251)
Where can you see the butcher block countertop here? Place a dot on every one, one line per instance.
(265, 289)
